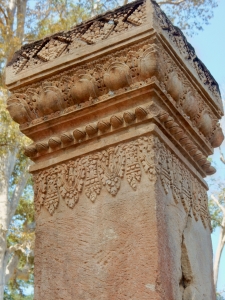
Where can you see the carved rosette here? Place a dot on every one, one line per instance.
(108, 168)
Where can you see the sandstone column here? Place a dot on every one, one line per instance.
(122, 115)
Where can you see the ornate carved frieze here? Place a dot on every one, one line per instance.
(105, 78)
(108, 169)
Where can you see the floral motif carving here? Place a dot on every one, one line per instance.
(147, 156)
(196, 198)
(176, 183)
(108, 167)
(52, 198)
(111, 168)
(186, 189)
(133, 168)
(92, 182)
(70, 181)
(164, 167)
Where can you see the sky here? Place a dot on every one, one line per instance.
(209, 45)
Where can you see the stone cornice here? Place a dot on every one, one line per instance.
(114, 29)
(120, 84)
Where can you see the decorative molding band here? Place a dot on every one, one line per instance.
(117, 122)
(107, 169)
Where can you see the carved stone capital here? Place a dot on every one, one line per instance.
(122, 115)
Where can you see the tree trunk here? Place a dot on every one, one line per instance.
(3, 246)
(4, 212)
(8, 208)
(21, 15)
(219, 251)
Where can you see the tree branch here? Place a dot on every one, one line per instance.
(11, 161)
(17, 194)
(11, 267)
(221, 156)
(170, 2)
(217, 203)
(4, 14)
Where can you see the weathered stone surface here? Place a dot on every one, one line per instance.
(121, 134)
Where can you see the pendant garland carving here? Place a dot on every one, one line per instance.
(109, 168)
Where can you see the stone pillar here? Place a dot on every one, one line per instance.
(122, 115)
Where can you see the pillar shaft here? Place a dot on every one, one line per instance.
(122, 115)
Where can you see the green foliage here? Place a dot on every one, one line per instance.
(217, 188)
(219, 297)
(21, 235)
(191, 15)
(215, 213)
(13, 295)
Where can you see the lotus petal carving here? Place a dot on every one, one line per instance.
(51, 99)
(149, 64)
(19, 109)
(42, 146)
(190, 105)
(117, 76)
(217, 137)
(211, 170)
(205, 124)
(84, 88)
(174, 86)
